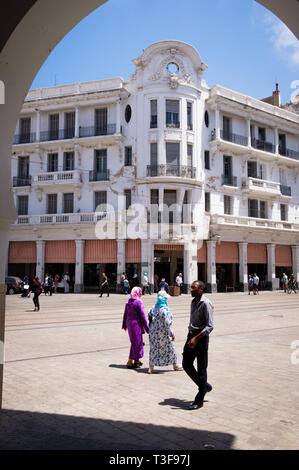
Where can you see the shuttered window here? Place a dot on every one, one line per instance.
(22, 205)
(52, 204)
(172, 153)
(154, 114)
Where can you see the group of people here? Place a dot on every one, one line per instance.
(289, 284)
(253, 284)
(158, 324)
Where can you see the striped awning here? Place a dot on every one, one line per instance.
(256, 253)
(283, 256)
(22, 252)
(227, 252)
(60, 251)
(100, 251)
(169, 247)
(133, 251)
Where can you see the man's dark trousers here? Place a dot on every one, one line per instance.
(200, 352)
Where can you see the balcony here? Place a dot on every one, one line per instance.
(259, 187)
(263, 145)
(288, 153)
(19, 182)
(229, 180)
(180, 171)
(58, 177)
(59, 134)
(77, 218)
(234, 138)
(24, 138)
(99, 176)
(229, 221)
(93, 131)
(173, 124)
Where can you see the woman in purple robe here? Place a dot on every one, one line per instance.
(134, 320)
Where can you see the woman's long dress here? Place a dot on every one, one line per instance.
(162, 350)
(134, 320)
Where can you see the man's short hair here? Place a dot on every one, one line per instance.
(200, 284)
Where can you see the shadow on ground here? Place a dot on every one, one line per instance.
(23, 430)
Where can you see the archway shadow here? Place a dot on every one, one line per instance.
(24, 430)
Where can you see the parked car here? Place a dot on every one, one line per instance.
(14, 285)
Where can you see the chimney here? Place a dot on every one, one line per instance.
(275, 98)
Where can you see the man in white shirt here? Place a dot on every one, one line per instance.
(179, 281)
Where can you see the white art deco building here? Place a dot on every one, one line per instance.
(158, 173)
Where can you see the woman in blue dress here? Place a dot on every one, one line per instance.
(161, 336)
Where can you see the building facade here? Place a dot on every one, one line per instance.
(158, 173)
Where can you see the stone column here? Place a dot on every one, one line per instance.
(161, 147)
(79, 270)
(295, 262)
(217, 123)
(211, 266)
(190, 264)
(271, 265)
(38, 126)
(248, 132)
(118, 117)
(121, 261)
(276, 140)
(243, 273)
(40, 259)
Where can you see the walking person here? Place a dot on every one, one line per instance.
(256, 281)
(145, 284)
(197, 343)
(284, 281)
(250, 284)
(179, 282)
(36, 289)
(134, 320)
(56, 282)
(164, 285)
(66, 281)
(122, 278)
(104, 285)
(292, 284)
(25, 287)
(161, 335)
(126, 285)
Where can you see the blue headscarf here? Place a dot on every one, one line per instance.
(161, 302)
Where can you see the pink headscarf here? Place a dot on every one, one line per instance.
(136, 292)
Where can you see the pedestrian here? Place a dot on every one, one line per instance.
(36, 289)
(197, 343)
(122, 278)
(25, 287)
(46, 284)
(146, 287)
(135, 281)
(161, 335)
(126, 285)
(256, 281)
(292, 284)
(66, 281)
(164, 285)
(284, 281)
(134, 320)
(179, 281)
(250, 284)
(56, 282)
(50, 285)
(104, 285)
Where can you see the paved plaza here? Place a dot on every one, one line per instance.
(66, 385)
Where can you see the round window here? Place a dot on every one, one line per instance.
(172, 67)
(207, 119)
(128, 113)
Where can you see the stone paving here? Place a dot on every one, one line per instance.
(66, 385)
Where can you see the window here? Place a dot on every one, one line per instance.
(23, 167)
(25, 128)
(100, 199)
(68, 203)
(154, 114)
(207, 159)
(128, 196)
(172, 113)
(189, 117)
(100, 161)
(283, 212)
(22, 205)
(190, 155)
(172, 153)
(255, 170)
(128, 113)
(226, 127)
(227, 204)
(68, 161)
(52, 204)
(262, 134)
(282, 144)
(54, 126)
(101, 121)
(227, 166)
(207, 119)
(69, 125)
(154, 196)
(52, 162)
(257, 209)
(128, 156)
(207, 202)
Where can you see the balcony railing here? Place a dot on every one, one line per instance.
(234, 138)
(59, 134)
(263, 145)
(73, 176)
(229, 180)
(181, 171)
(173, 124)
(73, 218)
(92, 131)
(288, 153)
(99, 175)
(252, 222)
(17, 181)
(24, 138)
(285, 190)
(257, 185)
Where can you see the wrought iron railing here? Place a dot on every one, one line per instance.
(288, 153)
(59, 134)
(263, 145)
(286, 190)
(234, 138)
(99, 175)
(182, 171)
(17, 181)
(229, 180)
(24, 138)
(92, 131)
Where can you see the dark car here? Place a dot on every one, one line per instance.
(14, 285)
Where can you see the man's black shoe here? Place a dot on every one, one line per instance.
(196, 405)
(209, 388)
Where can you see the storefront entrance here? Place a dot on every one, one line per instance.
(168, 262)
